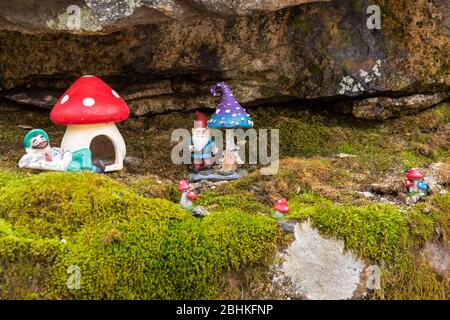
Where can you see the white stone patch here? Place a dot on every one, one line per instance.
(115, 94)
(318, 268)
(65, 99)
(348, 84)
(376, 68)
(363, 73)
(88, 102)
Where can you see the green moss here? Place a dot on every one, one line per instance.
(374, 231)
(152, 188)
(412, 159)
(25, 263)
(379, 146)
(7, 176)
(127, 246)
(244, 201)
(56, 205)
(164, 259)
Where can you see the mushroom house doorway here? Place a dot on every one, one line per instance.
(103, 149)
(104, 140)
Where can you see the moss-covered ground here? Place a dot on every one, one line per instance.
(130, 239)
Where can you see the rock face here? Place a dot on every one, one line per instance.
(317, 268)
(438, 256)
(101, 16)
(165, 55)
(381, 108)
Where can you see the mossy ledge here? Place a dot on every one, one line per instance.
(126, 246)
(131, 247)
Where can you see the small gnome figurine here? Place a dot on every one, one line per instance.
(43, 157)
(202, 146)
(187, 195)
(281, 208)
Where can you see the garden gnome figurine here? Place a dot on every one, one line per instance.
(43, 157)
(229, 115)
(281, 208)
(187, 196)
(202, 146)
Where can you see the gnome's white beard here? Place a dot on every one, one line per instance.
(199, 141)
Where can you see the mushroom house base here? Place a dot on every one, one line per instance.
(104, 140)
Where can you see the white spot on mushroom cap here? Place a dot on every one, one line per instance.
(228, 111)
(115, 94)
(65, 99)
(88, 102)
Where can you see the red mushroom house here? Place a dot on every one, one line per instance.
(90, 109)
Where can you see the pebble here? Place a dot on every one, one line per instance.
(200, 211)
(287, 226)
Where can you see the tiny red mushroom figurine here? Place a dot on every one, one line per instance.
(414, 176)
(409, 184)
(89, 109)
(192, 195)
(184, 188)
(281, 208)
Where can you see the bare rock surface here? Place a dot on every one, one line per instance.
(164, 55)
(316, 267)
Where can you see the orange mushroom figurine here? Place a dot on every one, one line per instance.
(90, 109)
(281, 208)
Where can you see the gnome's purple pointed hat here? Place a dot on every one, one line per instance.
(229, 113)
